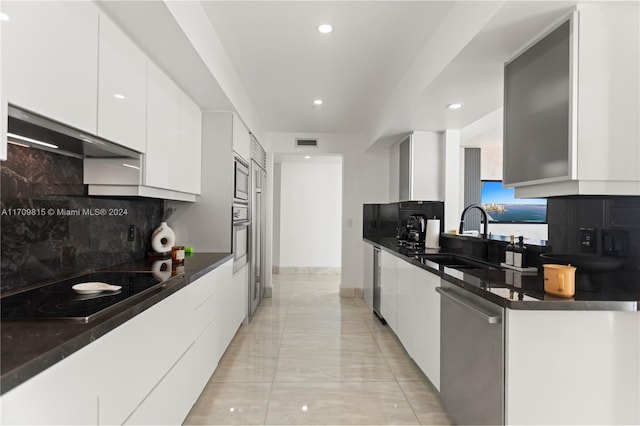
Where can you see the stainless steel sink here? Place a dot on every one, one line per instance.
(456, 261)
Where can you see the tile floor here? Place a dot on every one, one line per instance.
(310, 357)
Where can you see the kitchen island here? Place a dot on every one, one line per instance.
(586, 348)
(107, 368)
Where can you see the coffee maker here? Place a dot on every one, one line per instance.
(417, 226)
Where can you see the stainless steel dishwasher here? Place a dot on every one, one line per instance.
(471, 357)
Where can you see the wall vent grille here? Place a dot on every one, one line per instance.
(304, 142)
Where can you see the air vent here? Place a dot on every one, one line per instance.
(306, 142)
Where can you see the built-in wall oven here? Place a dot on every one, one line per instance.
(241, 181)
(240, 236)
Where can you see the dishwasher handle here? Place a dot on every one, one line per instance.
(490, 318)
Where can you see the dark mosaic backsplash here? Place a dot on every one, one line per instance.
(51, 228)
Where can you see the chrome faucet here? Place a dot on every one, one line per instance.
(485, 218)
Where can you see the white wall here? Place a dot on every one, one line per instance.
(310, 213)
(365, 179)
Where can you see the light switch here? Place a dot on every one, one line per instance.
(588, 241)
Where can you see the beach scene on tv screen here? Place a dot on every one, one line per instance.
(502, 206)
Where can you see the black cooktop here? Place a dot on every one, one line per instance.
(59, 301)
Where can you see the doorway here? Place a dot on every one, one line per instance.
(307, 213)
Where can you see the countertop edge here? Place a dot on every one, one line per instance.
(538, 305)
(20, 374)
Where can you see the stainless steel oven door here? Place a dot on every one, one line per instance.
(241, 181)
(240, 237)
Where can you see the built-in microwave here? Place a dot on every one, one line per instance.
(240, 181)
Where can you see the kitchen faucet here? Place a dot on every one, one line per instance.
(485, 218)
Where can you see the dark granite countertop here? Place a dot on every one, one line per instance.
(31, 346)
(515, 290)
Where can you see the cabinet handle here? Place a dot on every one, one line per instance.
(491, 319)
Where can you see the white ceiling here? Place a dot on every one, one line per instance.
(389, 67)
(284, 62)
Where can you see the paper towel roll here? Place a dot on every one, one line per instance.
(432, 237)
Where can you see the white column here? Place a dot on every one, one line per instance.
(451, 179)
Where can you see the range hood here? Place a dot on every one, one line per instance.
(26, 128)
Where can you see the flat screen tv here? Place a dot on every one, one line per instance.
(503, 207)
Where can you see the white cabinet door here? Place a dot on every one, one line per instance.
(241, 139)
(174, 128)
(421, 167)
(388, 288)
(404, 305)
(148, 345)
(163, 129)
(172, 399)
(566, 344)
(426, 323)
(189, 150)
(64, 394)
(122, 88)
(51, 54)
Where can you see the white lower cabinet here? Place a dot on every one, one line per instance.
(388, 288)
(149, 370)
(171, 400)
(411, 307)
(64, 394)
(580, 367)
(145, 348)
(425, 317)
(404, 311)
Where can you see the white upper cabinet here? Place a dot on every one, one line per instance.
(241, 139)
(50, 52)
(174, 136)
(122, 88)
(572, 107)
(421, 167)
(163, 129)
(189, 155)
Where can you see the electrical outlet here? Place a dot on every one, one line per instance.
(588, 241)
(132, 233)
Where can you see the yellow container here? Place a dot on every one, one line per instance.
(560, 280)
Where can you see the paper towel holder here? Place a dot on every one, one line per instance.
(432, 237)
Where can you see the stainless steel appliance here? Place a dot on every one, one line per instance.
(59, 301)
(471, 357)
(240, 181)
(258, 216)
(36, 131)
(416, 225)
(240, 236)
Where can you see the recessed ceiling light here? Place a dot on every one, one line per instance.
(306, 157)
(455, 106)
(317, 102)
(325, 28)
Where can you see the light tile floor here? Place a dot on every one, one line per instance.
(310, 357)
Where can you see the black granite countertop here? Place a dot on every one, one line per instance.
(515, 290)
(31, 346)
